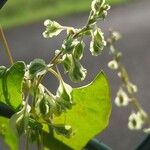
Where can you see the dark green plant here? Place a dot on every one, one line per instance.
(56, 121)
(68, 119)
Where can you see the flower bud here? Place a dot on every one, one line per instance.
(122, 98)
(113, 65)
(131, 88)
(116, 35)
(135, 122)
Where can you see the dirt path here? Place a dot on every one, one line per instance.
(133, 21)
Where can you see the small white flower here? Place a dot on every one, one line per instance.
(57, 52)
(116, 35)
(119, 74)
(135, 122)
(113, 65)
(131, 88)
(146, 130)
(122, 98)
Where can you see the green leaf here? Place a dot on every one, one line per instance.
(19, 122)
(9, 137)
(63, 97)
(97, 44)
(77, 73)
(96, 5)
(90, 114)
(73, 67)
(37, 67)
(63, 129)
(52, 28)
(2, 70)
(34, 129)
(78, 50)
(69, 44)
(67, 62)
(11, 85)
(51, 143)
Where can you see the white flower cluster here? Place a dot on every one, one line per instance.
(122, 98)
(136, 120)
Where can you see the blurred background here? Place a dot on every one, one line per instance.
(23, 24)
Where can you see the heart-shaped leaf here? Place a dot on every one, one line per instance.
(90, 114)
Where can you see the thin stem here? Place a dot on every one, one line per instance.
(56, 57)
(48, 92)
(27, 142)
(4, 41)
(39, 142)
(136, 104)
(54, 73)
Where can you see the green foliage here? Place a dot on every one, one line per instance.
(8, 134)
(90, 114)
(11, 84)
(68, 115)
(36, 67)
(78, 50)
(77, 73)
(97, 44)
